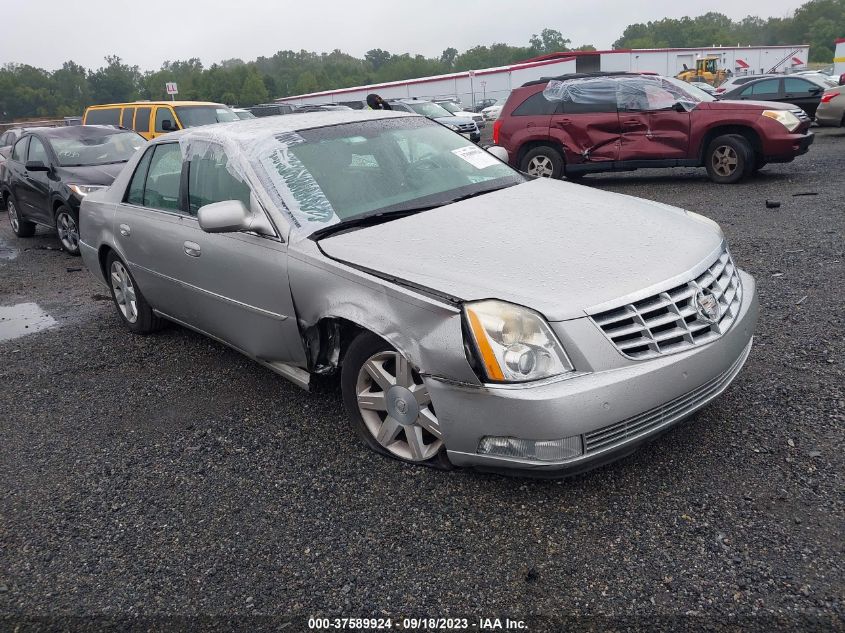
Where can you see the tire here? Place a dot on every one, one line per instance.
(388, 404)
(20, 227)
(67, 229)
(729, 158)
(138, 315)
(542, 162)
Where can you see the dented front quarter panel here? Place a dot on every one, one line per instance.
(425, 328)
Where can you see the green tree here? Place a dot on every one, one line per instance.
(253, 91)
(448, 57)
(115, 82)
(377, 58)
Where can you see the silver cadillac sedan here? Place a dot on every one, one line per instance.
(476, 317)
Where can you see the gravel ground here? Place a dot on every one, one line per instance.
(166, 476)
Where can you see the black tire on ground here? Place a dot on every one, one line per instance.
(729, 158)
(20, 227)
(145, 322)
(67, 229)
(365, 346)
(543, 162)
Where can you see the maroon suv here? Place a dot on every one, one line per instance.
(579, 124)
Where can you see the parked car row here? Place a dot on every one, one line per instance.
(463, 125)
(151, 119)
(597, 122)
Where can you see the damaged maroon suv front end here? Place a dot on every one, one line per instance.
(574, 125)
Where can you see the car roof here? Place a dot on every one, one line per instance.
(409, 100)
(147, 103)
(78, 131)
(571, 76)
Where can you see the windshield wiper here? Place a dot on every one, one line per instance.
(379, 217)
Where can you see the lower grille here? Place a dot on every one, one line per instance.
(671, 321)
(672, 411)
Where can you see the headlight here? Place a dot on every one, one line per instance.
(84, 190)
(451, 126)
(785, 117)
(514, 344)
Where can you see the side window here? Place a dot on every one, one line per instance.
(37, 151)
(209, 181)
(126, 118)
(19, 151)
(142, 120)
(103, 116)
(135, 192)
(793, 86)
(535, 105)
(5, 139)
(767, 87)
(163, 114)
(591, 97)
(161, 190)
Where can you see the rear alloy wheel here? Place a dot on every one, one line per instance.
(729, 159)
(542, 162)
(389, 404)
(131, 305)
(21, 227)
(67, 229)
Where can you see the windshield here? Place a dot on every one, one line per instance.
(318, 177)
(192, 116)
(431, 110)
(684, 91)
(451, 107)
(96, 150)
(244, 114)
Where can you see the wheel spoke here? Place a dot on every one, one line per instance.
(372, 400)
(413, 434)
(420, 394)
(427, 420)
(389, 430)
(403, 371)
(379, 374)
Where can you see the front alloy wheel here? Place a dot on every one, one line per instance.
(68, 231)
(124, 291)
(396, 409)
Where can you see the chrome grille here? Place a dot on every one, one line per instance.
(620, 432)
(670, 321)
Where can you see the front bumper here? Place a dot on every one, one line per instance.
(613, 411)
(785, 148)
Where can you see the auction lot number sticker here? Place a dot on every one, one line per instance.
(416, 624)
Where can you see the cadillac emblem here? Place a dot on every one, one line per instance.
(707, 306)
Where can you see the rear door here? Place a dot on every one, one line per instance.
(586, 123)
(651, 128)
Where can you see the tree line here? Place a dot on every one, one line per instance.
(27, 91)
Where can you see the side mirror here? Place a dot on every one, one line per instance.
(167, 126)
(499, 152)
(815, 91)
(678, 107)
(36, 165)
(232, 216)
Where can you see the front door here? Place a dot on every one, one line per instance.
(802, 93)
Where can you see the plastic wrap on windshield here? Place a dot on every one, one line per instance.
(266, 161)
(628, 92)
(586, 91)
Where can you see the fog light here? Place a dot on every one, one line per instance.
(535, 450)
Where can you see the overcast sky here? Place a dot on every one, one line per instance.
(49, 32)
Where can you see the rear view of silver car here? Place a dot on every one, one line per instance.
(475, 317)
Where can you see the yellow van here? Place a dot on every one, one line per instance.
(154, 118)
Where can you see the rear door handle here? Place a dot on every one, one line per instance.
(125, 231)
(192, 249)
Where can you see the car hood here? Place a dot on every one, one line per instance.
(92, 174)
(730, 104)
(454, 120)
(559, 248)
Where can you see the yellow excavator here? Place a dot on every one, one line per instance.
(706, 69)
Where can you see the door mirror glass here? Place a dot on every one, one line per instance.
(36, 165)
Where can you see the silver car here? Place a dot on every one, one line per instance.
(475, 317)
(831, 110)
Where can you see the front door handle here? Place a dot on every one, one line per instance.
(632, 122)
(563, 122)
(192, 249)
(125, 231)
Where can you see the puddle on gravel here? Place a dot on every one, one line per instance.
(22, 319)
(6, 251)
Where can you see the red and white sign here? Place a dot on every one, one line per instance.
(172, 89)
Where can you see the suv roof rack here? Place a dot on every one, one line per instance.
(603, 73)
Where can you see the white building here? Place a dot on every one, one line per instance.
(468, 87)
(473, 86)
(839, 57)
